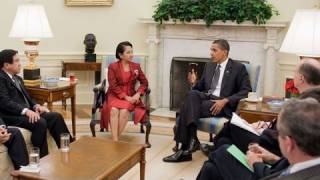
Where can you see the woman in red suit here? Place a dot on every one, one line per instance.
(121, 97)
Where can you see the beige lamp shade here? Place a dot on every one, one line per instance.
(303, 36)
(31, 23)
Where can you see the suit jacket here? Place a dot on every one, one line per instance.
(235, 83)
(116, 83)
(262, 170)
(1, 122)
(116, 90)
(11, 97)
(311, 173)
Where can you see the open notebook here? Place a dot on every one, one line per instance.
(238, 121)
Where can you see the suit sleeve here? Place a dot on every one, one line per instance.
(143, 81)
(200, 85)
(243, 84)
(261, 170)
(6, 102)
(1, 121)
(114, 85)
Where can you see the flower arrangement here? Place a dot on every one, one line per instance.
(291, 90)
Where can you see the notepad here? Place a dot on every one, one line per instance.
(239, 155)
(238, 121)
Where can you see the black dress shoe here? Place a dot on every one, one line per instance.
(206, 148)
(179, 156)
(193, 146)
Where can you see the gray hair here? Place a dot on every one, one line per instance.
(310, 69)
(300, 120)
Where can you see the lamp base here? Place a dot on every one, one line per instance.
(32, 83)
(32, 77)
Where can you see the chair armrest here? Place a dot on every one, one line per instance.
(100, 87)
(148, 91)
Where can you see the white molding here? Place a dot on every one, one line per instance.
(278, 24)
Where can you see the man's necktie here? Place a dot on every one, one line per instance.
(215, 79)
(16, 82)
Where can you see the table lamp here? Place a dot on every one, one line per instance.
(31, 24)
(303, 36)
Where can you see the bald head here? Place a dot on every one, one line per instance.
(307, 74)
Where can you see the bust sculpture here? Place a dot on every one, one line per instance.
(90, 43)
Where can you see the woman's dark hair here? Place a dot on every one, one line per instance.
(121, 47)
(6, 56)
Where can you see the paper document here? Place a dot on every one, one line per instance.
(238, 121)
(239, 155)
(29, 169)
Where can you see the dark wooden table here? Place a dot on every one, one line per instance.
(90, 158)
(64, 90)
(82, 66)
(255, 111)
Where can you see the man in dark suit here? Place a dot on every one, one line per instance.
(223, 83)
(18, 109)
(14, 141)
(222, 165)
(299, 139)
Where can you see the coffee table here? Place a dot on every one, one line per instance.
(90, 158)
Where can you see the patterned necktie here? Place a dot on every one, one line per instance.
(215, 79)
(16, 82)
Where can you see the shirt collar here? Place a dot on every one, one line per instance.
(10, 75)
(304, 165)
(224, 63)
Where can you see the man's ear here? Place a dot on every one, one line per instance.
(290, 144)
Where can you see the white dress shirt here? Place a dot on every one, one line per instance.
(223, 65)
(304, 165)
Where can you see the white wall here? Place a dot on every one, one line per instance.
(70, 24)
(110, 25)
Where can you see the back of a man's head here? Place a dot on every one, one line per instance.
(309, 68)
(300, 120)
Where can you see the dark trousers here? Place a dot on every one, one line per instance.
(196, 105)
(17, 149)
(52, 121)
(232, 134)
(223, 166)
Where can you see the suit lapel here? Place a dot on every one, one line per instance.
(226, 76)
(10, 80)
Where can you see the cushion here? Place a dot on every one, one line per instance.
(211, 124)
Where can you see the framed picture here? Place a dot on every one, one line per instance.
(88, 2)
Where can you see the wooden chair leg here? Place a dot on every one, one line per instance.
(141, 128)
(92, 127)
(210, 137)
(176, 147)
(148, 129)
